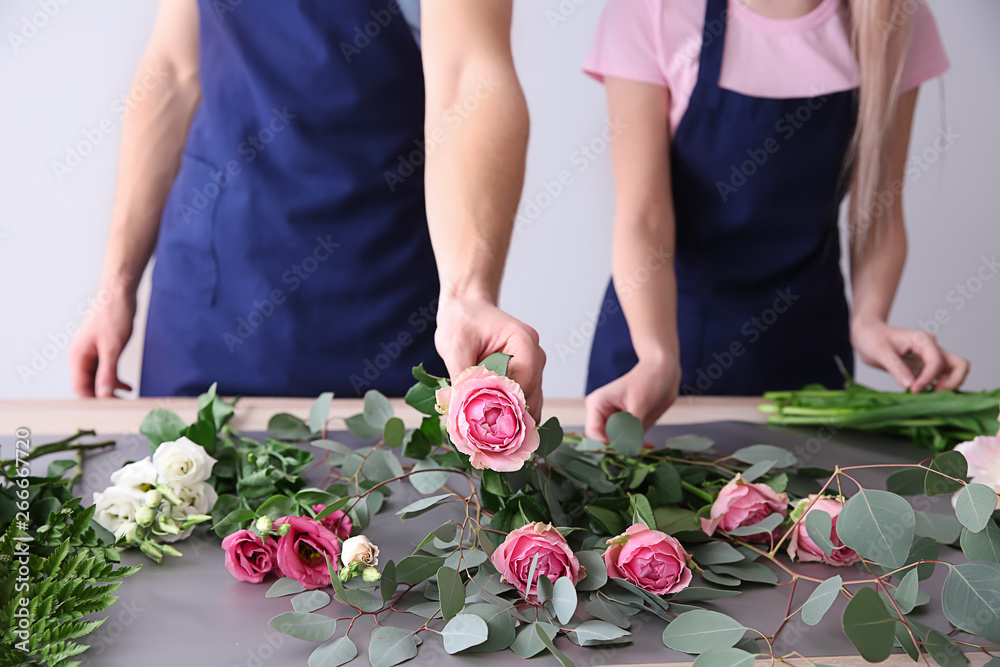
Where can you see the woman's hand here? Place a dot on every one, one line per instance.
(94, 352)
(911, 356)
(646, 391)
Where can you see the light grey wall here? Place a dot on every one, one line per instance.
(64, 82)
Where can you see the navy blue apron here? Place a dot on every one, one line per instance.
(756, 188)
(293, 255)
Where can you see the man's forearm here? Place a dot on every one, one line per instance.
(474, 178)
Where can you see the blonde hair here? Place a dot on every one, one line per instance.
(880, 33)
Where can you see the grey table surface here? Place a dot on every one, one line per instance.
(190, 612)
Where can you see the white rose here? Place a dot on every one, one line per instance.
(139, 476)
(359, 550)
(183, 462)
(116, 506)
(200, 496)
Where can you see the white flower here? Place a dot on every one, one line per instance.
(200, 496)
(116, 506)
(139, 476)
(359, 550)
(183, 462)
(126, 532)
(983, 456)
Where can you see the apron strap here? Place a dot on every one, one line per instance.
(706, 91)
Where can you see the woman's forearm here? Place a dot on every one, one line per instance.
(876, 272)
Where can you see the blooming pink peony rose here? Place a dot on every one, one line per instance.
(651, 560)
(487, 420)
(301, 550)
(802, 547)
(742, 503)
(247, 558)
(338, 523)
(555, 559)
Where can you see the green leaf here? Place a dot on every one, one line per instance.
(869, 625)
(945, 651)
(606, 610)
(819, 526)
(283, 587)
(755, 572)
(390, 646)
(417, 569)
(320, 412)
(528, 643)
(359, 426)
(724, 657)
(971, 598)
(497, 362)
(464, 631)
(556, 653)
(609, 519)
(641, 510)
(361, 599)
(975, 506)
(903, 637)
(418, 507)
(564, 599)
(310, 601)
(697, 594)
(284, 426)
(378, 410)
(161, 426)
(906, 482)
(672, 520)
(423, 398)
(665, 485)
(451, 591)
(984, 545)
(689, 443)
(720, 579)
(905, 594)
(716, 553)
(877, 525)
(393, 432)
(701, 630)
(308, 627)
(820, 600)
(381, 465)
(952, 464)
(755, 453)
(765, 525)
(426, 477)
(756, 470)
(500, 624)
(943, 528)
(924, 548)
(597, 571)
(335, 653)
(387, 583)
(625, 434)
(598, 633)
(550, 436)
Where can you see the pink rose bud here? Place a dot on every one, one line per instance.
(338, 523)
(302, 549)
(651, 560)
(742, 503)
(555, 559)
(488, 420)
(247, 558)
(801, 547)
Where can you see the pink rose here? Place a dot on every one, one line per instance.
(983, 456)
(742, 503)
(301, 551)
(802, 547)
(338, 523)
(555, 559)
(651, 560)
(487, 420)
(247, 558)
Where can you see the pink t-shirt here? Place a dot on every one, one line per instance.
(659, 42)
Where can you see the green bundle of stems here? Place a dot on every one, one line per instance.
(938, 420)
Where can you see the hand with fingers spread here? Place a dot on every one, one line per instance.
(913, 357)
(646, 391)
(469, 330)
(94, 352)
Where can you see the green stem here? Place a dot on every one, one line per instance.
(695, 491)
